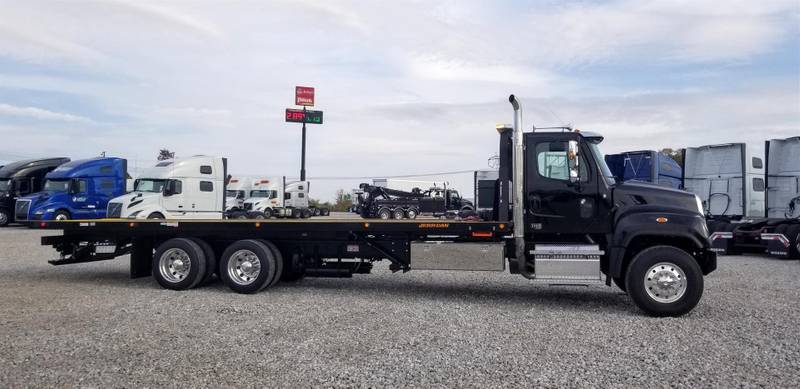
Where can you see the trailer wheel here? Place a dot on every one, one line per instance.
(4, 218)
(398, 214)
(664, 281)
(793, 234)
(61, 215)
(179, 264)
(293, 269)
(211, 259)
(247, 266)
(278, 261)
(384, 214)
(412, 213)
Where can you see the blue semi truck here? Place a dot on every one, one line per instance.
(76, 190)
(646, 166)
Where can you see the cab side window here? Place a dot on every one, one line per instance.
(551, 159)
(81, 186)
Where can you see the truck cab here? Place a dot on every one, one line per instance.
(184, 188)
(237, 192)
(274, 197)
(76, 190)
(18, 179)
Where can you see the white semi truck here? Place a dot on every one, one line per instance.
(185, 188)
(238, 190)
(275, 197)
(728, 178)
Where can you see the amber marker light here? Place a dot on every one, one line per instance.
(662, 220)
(131, 224)
(502, 226)
(258, 224)
(366, 225)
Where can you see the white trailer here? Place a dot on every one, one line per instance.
(728, 178)
(186, 188)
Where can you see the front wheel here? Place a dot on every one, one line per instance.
(664, 281)
(4, 219)
(61, 215)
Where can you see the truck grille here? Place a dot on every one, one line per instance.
(21, 210)
(114, 210)
(248, 206)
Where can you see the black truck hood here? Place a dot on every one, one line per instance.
(641, 194)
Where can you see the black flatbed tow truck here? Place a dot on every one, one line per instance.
(559, 218)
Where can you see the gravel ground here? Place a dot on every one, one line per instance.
(90, 325)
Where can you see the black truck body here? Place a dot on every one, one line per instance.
(567, 222)
(385, 203)
(22, 178)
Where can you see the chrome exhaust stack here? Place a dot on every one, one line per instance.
(518, 200)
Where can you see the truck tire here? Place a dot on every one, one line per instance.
(247, 266)
(179, 264)
(325, 212)
(278, 261)
(412, 213)
(4, 218)
(793, 234)
(316, 211)
(398, 214)
(61, 215)
(306, 213)
(664, 281)
(269, 213)
(256, 215)
(155, 216)
(211, 260)
(384, 214)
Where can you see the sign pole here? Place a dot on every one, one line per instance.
(303, 152)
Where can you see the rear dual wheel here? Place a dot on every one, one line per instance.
(179, 264)
(248, 266)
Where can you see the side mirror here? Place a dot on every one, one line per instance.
(572, 161)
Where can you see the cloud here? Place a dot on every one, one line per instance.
(171, 16)
(42, 114)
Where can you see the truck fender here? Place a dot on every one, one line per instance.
(146, 212)
(678, 227)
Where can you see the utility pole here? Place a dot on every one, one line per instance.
(303, 152)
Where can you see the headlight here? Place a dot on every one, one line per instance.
(699, 205)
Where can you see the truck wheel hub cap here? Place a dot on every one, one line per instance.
(665, 282)
(174, 265)
(244, 267)
(3, 217)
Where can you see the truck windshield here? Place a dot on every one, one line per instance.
(600, 159)
(238, 194)
(150, 185)
(5, 185)
(56, 186)
(267, 194)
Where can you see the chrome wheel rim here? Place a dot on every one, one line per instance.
(61, 216)
(665, 282)
(174, 265)
(385, 215)
(244, 267)
(3, 218)
(412, 214)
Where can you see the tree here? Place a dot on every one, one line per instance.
(165, 154)
(676, 154)
(343, 201)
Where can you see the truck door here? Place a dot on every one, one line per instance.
(554, 203)
(174, 203)
(83, 206)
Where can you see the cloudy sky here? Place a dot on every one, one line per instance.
(407, 87)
